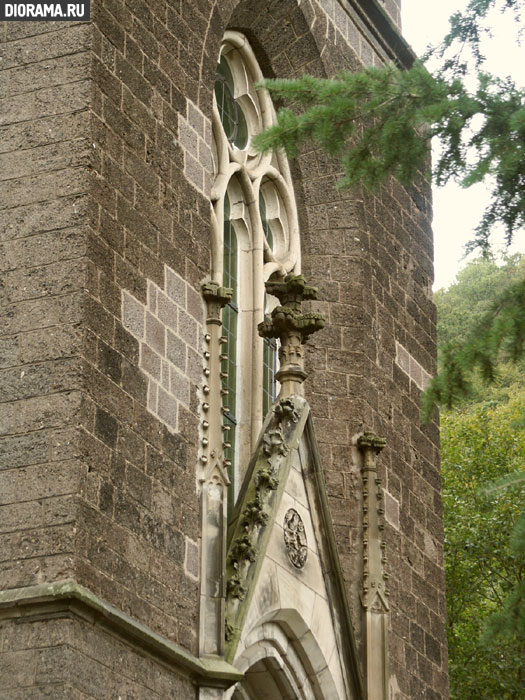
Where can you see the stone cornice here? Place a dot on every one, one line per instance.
(69, 596)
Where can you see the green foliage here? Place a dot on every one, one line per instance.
(508, 623)
(483, 460)
(484, 553)
(498, 335)
(462, 306)
(467, 29)
(367, 118)
(378, 121)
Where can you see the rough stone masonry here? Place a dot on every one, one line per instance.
(106, 173)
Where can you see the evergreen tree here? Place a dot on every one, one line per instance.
(379, 122)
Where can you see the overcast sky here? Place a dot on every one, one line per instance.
(457, 211)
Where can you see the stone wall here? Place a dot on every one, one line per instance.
(45, 152)
(149, 248)
(105, 241)
(66, 658)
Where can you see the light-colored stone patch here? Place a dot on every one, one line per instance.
(392, 510)
(394, 691)
(191, 559)
(411, 367)
(430, 546)
(168, 328)
(195, 140)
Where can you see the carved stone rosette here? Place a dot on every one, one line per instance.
(292, 327)
(374, 595)
(295, 538)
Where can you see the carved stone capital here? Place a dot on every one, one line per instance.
(292, 327)
(216, 297)
(292, 291)
(370, 445)
(371, 441)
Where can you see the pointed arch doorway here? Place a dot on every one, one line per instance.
(279, 664)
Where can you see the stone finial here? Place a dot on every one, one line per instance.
(292, 327)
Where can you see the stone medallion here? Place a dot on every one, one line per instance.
(295, 538)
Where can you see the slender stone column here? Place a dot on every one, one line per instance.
(212, 480)
(292, 327)
(374, 595)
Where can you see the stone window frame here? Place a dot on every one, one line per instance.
(244, 174)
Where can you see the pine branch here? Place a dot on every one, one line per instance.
(379, 121)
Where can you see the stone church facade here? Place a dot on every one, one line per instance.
(214, 482)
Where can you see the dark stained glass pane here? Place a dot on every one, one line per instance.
(230, 112)
(265, 224)
(229, 331)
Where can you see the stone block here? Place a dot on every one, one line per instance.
(176, 350)
(134, 382)
(26, 484)
(133, 315)
(194, 304)
(187, 329)
(155, 334)
(17, 669)
(167, 311)
(109, 361)
(106, 427)
(150, 362)
(175, 287)
(167, 409)
(179, 386)
(152, 396)
(23, 450)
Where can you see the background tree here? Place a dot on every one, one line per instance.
(465, 302)
(481, 331)
(483, 440)
(480, 443)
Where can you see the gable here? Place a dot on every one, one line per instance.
(290, 630)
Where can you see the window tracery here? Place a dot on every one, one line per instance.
(255, 236)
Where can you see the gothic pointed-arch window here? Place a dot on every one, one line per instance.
(255, 236)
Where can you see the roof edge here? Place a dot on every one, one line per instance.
(379, 24)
